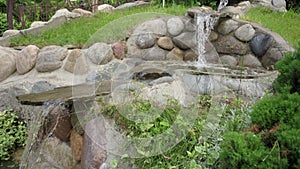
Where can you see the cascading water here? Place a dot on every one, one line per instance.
(205, 22)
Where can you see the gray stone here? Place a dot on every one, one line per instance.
(95, 76)
(213, 36)
(175, 54)
(228, 60)
(66, 13)
(244, 6)
(165, 43)
(200, 10)
(227, 26)
(230, 45)
(53, 153)
(10, 32)
(76, 63)
(232, 11)
(100, 53)
(157, 27)
(106, 8)
(42, 86)
(154, 53)
(279, 3)
(260, 43)
(26, 59)
(37, 24)
(245, 32)
(250, 61)
(82, 12)
(50, 58)
(8, 62)
(186, 40)
(146, 40)
(211, 55)
(133, 4)
(175, 26)
(189, 25)
(272, 56)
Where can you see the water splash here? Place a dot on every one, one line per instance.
(222, 4)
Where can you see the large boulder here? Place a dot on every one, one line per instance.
(50, 58)
(76, 62)
(175, 26)
(260, 43)
(8, 62)
(245, 32)
(26, 59)
(227, 26)
(230, 45)
(157, 27)
(186, 40)
(100, 53)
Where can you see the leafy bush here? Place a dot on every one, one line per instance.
(274, 109)
(289, 77)
(12, 133)
(3, 23)
(245, 151)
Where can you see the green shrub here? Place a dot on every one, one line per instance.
(289, 77)
(12, 133)
(273, 109)
(245, 151)
(3, 23)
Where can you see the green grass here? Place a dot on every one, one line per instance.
(286, 24)
(108, 27)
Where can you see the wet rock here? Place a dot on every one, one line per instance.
(227, 26)
(82, 12)
(272, 56)
(8, 62)
(119, 50)
(230, 45)
(94, 141)
(165, 43)
(57, 120)
(175, 54)
(106, 8)
(26, 59)
(42, 86)
(190, 55)
(175, 26)
(145, 41)
(198, 10)
(211, 56)
(250, 61)
(186, 40)
(157, 27)
(228, 60)
(53, 153)
(76, 63)
(50, 58)
(260, 43)
(100, 53)
(76, 142)
(213, 36)
(189, 25)
(245, 32)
